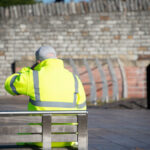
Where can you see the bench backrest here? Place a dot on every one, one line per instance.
(46, 127)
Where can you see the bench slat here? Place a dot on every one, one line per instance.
(64, 138)
(20, 119)
(20, 129)
(64, 119)
(64, 128)
(8, 139)
(36, 119)
(35, 129)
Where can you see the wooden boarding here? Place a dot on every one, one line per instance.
(48, 127)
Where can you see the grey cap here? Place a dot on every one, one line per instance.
(45, 52)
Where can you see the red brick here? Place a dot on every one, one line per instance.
(130, 37)
(143, 48)
(117, 37)
(2, 53)
(104, 18)
(105, 29)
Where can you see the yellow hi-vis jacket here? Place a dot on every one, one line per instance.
(50, 87)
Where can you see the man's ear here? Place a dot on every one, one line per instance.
(38, 61)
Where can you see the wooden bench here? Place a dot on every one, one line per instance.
(53, 128)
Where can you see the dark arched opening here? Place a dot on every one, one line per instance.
(148, 85)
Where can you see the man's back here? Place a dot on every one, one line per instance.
(56, 88)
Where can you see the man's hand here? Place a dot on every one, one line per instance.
(33, 66)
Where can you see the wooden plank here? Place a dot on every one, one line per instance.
(41, 9)
(34, 10)
(22, 10)
(82, 8)
(49, 10)
(57, 9)
(20, 119)
(90, 7)
(12, 129)
(53, 8)
(46, 131)
(7, 15)
(104, 81)
(64, 119)
(1, 12)
(36, 119)
(82, 132)
(98, 6)
(113, 5)
(66, 9)
(114, 80)
(15, 11)
(37, 11)
(45, 10)
(64, 138)
(124, 80)
(101, 5)
(93, 95)
(64, 128)
(8, 139)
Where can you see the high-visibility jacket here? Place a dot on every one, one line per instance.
(50, 87)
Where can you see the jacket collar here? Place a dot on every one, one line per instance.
(52, 63)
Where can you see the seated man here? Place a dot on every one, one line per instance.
(48, 84)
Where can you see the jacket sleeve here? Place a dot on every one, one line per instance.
(81, 94)
(17, 84)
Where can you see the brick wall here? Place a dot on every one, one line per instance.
(82, 30)
(135, 77)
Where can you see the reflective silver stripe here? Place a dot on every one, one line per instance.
(36, 85)
(42, 103)
(56, 104)
(12, 84)
(76, 89)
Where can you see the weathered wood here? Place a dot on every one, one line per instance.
(49, 10)
(73, 8)
(8, 139)
(20, 119)
(82, 132)
(82, 8)
(36, 119)
(15, 11)
(57, 9)
(46, 131)
(53, 8)
(90, 7)
(64, 128)
(101, 5)
(7, 12)
(64, 119)
(12, 129)
(64, 137)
